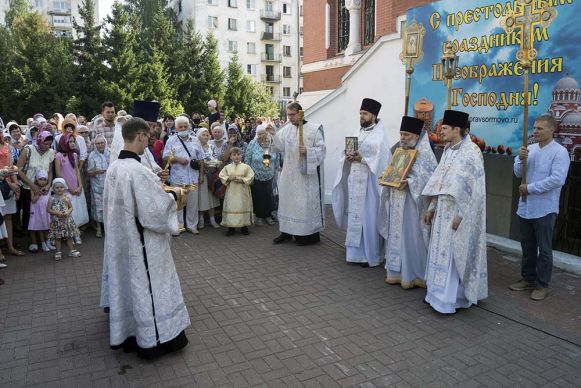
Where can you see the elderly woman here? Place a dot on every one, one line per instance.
(207, 201)
(186, 169)
(97, 166)
(34, 157)
(262, 197)
(234, 140)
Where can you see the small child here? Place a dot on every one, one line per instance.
(62, 224)
(39, 218)
(237, 177)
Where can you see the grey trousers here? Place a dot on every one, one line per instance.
(537, 249)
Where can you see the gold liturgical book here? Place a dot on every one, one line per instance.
(398, 168)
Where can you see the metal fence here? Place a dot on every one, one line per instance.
(567, 237)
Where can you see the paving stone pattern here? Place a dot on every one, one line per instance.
(276, 316)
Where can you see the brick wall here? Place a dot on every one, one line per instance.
(314, 31)
(387, 12)
(324, 79)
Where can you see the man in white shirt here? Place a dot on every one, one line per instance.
(547, 168)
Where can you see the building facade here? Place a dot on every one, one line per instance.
(58, 14)
(338, 32)
(267, 35)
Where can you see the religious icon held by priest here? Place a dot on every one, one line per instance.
(398, 168)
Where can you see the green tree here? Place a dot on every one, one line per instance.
(261, 102)
(123, 73)
(212, 74)
(188, 71)
(237, 87)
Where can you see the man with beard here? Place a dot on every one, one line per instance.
(356, 191)
(401, 211)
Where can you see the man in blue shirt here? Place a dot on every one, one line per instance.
(547, 168)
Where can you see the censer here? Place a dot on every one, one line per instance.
(266, 153)
(180, 192)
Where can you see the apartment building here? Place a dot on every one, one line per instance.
(267, 35)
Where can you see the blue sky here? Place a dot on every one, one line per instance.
(563, 42)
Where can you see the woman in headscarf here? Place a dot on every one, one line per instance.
(58, 119)
(262, 193)
(34, 157)
(67, 167)
(97, 167)
(207, 201)
(7, 162)
(234, 140)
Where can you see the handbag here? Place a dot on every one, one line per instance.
(194, 164)
(6, 190)
(216, 186)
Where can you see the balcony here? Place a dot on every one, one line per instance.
(60, 11)
(270, 78)
(267, 57)
(269, 15)
(271, 36)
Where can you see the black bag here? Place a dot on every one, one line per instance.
(6, 190)
(194, 164)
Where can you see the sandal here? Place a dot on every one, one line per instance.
(74, 253)
(98, 234)
(58, 256)
(16, 252)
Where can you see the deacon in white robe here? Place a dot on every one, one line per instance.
(457, 272)
(149, 111)
(356, 190)
(400, 219)
(147, 310)
(300, 186)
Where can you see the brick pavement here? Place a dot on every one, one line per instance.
(265, 315)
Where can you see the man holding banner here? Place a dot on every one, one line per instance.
(456, 274)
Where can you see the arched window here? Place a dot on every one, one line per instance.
(369, 14)
(343, 26)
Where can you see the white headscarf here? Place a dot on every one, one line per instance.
(61, 181)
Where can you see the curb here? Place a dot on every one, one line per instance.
(561, 260)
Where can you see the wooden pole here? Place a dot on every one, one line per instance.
(408, 82)
(525, 128)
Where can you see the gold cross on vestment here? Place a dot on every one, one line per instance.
(526, 17)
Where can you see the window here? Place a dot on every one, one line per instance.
(251, 4)
(251, 48)
(343, 26)
(212, 22)
(233, 3)
(251, 69)
(269, 27)
(61, 5)
(286, 92)
(286, 50)
(286, 28)
(250, 26)
(270, 90)
(232, 24)
(286, 72)
(369, 28)
(268, 6)
(232, 46)
(301, 10)
(212, 2)
(38, 3)
(286, 8)
(301, 51)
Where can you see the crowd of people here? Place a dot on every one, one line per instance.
(79, 152)
(146, 178)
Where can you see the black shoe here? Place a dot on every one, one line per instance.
(106, 310)
(244, 230)
(230, 231)
(282, 238)
(363, 265)
(1, 282)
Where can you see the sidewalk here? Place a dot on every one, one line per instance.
(275, 316)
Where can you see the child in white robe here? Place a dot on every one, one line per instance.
(237, 177)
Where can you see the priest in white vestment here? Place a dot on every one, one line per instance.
(457, 272)
(300, 186)
(147, 310)
(148, 111)
(356, 190)
(401, 211)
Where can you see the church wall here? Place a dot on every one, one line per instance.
(324, 79)
(379, 76)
